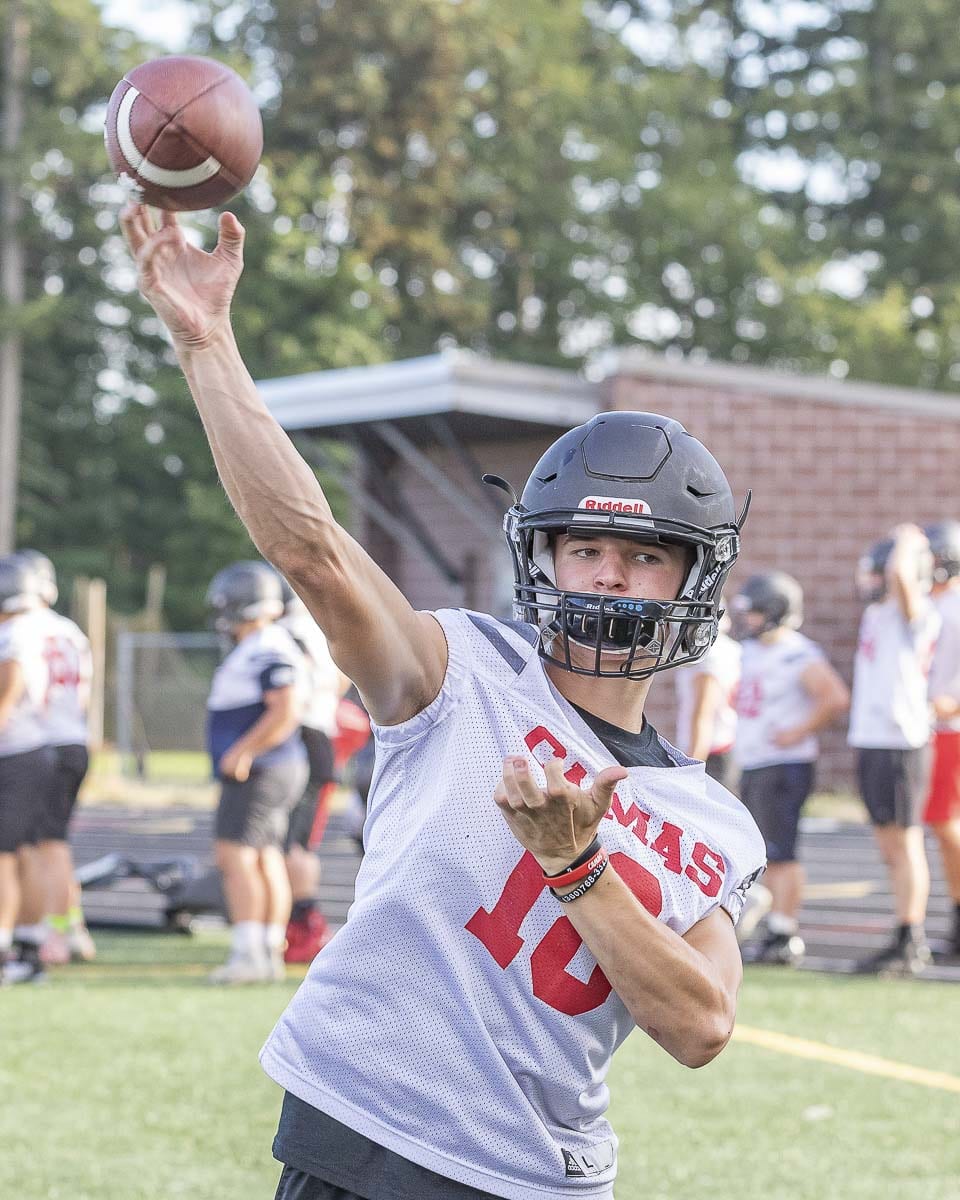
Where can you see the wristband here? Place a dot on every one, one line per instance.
(585, 884)
(580, 867)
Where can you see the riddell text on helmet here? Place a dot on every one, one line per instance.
(613, 504)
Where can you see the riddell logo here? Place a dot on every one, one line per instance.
(613, 504)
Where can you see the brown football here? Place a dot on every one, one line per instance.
(184, 132)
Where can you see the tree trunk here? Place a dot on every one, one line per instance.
(15, 56)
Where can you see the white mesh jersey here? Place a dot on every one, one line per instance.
(945, 669)
(457, 1018)
(722, 662)
(889, 709)
(323, 693)
(771, 698)
(70, 667)
(21, 641)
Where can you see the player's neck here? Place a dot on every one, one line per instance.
(617, 701)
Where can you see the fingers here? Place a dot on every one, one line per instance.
(230, 238)
(606, 782)
(518, 789)
(132, 222)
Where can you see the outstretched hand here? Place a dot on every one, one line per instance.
(189, 289)
(556, 823)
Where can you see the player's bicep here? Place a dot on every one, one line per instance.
(395, 655)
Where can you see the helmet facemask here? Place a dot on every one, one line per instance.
(646, 635)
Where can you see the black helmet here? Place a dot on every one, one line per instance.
(944, 539)
(244, 591)
(20, 585)
(45, 572)
(871, 578)
(637, 475)
(776, 595)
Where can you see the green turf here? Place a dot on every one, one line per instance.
(133, 1080)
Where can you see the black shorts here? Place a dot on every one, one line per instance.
(774, 797)
(70, 768)
(723, 768)
(297, 1185)
(25, 782)
(893, 784)
(256, 813)
(320, 757)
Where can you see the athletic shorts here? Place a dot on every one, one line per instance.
(70, 768)
(25, 782)
(893, 784)
(943, 797)
(774, 797)
(256, 812)
(723, 768)
(320, 757)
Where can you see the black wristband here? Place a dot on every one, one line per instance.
(585, 857)
(584, 885)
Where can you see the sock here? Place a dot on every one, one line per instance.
(781, 925)
(302, 908)
(247, 939)
(35, 934)
(59, 922)
(275, 938)
(75, 916)
(6, 940)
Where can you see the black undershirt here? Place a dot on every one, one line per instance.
(643, 749)
(310, 1141)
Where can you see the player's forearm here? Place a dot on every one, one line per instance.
(672, 991)
(274, 492)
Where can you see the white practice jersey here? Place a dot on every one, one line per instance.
(457, 1019)
(70, 667)
(945, 669)
(323, 694)
(21, 641)
(721, 662)
(771, 698)
(889, 707)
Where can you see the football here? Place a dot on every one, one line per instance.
(184, 133)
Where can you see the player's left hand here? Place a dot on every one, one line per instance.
(236, 764)
(556, 823)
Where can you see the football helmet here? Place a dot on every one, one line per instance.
(871, 577)
(244, 591)
(45, 572)
(776, 596)
(20, 585)
(635, 475)
(944, 539)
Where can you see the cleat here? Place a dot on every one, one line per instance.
(306, 937)
(81, 944)
(241, 969)
(23, 964)
(899, 960)
(54, 949)
(776, 949)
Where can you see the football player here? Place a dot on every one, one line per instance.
(253, 735)
(890, 728)
(26, 763)
(942, 811)
(788, 692)
(70, 669)
(308, 931)
(542, 870)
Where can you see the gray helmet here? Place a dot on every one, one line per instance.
(45, 572)
(19, 585)
(944, 539)
(776, 595)
(637, 475)
(244, 591)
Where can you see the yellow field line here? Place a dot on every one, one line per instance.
(869, 1064)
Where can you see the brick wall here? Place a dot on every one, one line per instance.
(829, 477)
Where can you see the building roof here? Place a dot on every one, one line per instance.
(477, 394)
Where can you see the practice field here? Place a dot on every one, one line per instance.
(131, 1079)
